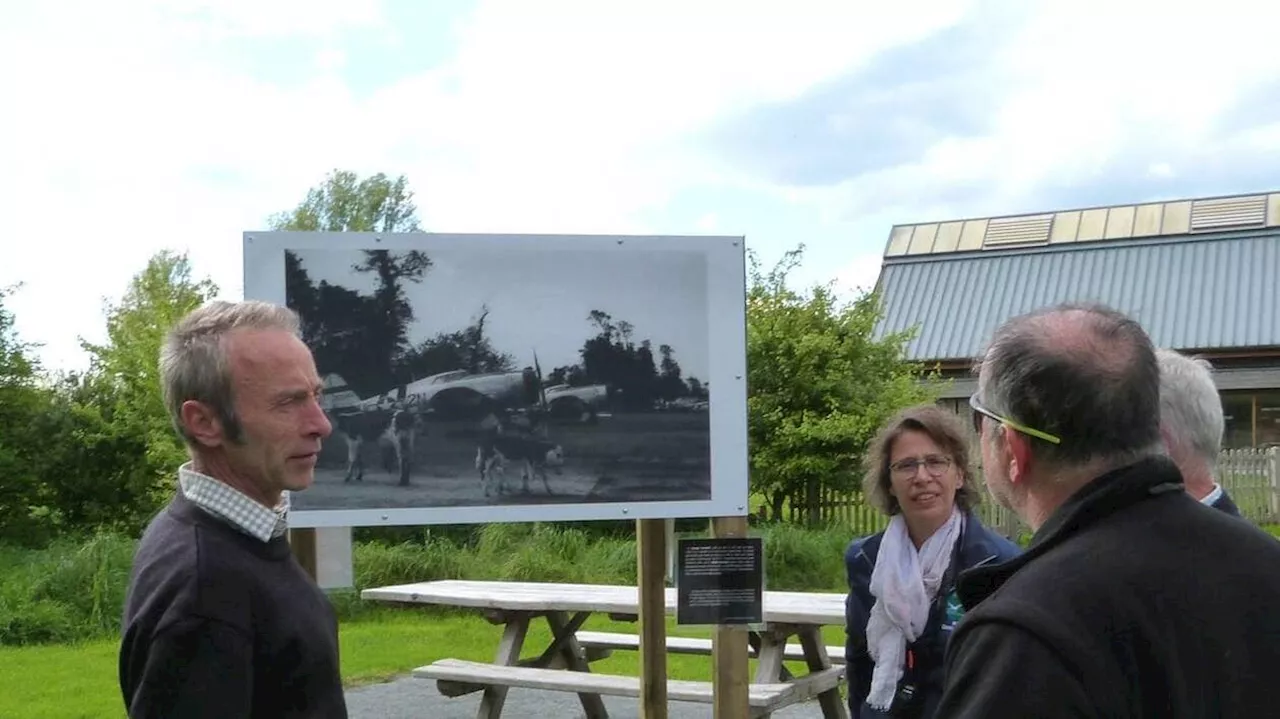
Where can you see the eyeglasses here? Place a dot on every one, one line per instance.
(935, 465)
(979, 412)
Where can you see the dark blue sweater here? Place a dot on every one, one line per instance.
(220, 624)
(976, 546)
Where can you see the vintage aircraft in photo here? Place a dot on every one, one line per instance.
(460, 394)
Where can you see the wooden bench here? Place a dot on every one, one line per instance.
(685, 645)
(762, 698)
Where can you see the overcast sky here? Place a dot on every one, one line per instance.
(139, 125)
(539, 301)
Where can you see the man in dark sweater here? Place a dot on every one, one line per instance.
(1192, 423)
(1133, 599)
(220, 620)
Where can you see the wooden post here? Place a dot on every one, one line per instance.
(729, 646)
(303, 543)
(651, 565)
(325, 555)
(670, 530)
(334, 562)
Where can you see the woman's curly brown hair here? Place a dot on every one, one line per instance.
(944, 428)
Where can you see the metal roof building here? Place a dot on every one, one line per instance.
(1201, 275)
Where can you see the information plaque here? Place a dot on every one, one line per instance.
(720, 581)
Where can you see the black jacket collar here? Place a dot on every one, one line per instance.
(1105, 495)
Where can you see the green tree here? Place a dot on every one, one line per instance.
(24, 449)
(124, 465)
(345, 203)
(336, 318)
(820, 384)
(466, 349)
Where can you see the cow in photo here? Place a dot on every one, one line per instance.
(402, 426)
(386, 428)
(515, 440)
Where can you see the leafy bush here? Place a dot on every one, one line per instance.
(38, 622)
(71, 591)
(799, 559)
(91, 580)
(64, 592)
(380, 565)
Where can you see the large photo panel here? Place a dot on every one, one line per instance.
(499, 378)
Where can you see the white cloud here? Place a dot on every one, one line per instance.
(860, 275)
(1092, 81)
(123, 116)
(567, 115)
(139, 128)
(708, 223)
(1097, 77)
(613, 62)
(1084, 86)
(274, 19)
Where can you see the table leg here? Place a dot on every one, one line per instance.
(784, 674)
(769, 655)
(513, 635)
(815, 656)
(564, 639)
(571, 651)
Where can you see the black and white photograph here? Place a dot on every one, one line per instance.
(507, 374)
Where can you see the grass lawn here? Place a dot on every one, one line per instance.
(79, 681)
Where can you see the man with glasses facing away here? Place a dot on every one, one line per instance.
(1192, 424)
(1131, 600)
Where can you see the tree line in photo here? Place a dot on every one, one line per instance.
(93, 450)
(364, 338)
(613, 357)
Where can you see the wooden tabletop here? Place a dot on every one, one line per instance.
(779, 607)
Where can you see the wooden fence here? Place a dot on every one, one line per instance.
(1250, 476)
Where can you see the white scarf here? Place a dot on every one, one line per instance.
(904, 583)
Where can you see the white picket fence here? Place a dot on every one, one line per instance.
(1250, 476)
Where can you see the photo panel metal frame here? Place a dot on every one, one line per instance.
(725, 262)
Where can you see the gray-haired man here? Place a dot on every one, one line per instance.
(220, 620)
(1192, 424)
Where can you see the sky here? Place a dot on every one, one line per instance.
(140, 125)
(539, 302)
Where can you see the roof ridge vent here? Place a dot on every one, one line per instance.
(1021, 230)
(1229, 213)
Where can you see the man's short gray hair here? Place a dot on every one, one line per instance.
(193, 358)
(1190, 406)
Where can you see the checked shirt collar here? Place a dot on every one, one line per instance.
(233, 506)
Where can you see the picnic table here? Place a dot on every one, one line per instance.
(566, 607)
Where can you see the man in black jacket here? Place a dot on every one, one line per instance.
(1191, 422)
(1133, 599)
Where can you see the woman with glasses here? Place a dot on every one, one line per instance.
(902, 606)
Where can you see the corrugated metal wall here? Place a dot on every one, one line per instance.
(1219, 293)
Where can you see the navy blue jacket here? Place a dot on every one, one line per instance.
(976, 546)
(1225, 504)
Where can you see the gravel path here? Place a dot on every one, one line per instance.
(409, 698)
